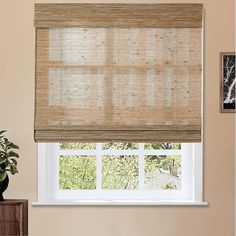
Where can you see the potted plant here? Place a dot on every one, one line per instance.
(8, 162)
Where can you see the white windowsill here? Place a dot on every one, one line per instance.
(118, 202)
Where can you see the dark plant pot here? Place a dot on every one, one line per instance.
(3, 187)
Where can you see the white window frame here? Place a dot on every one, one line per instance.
(191, 192)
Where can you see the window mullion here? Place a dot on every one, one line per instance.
(141, 166)
(99, 166)
(57, 164)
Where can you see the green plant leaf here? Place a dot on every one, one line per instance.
(2, 160)
(14, 146)
(9, 144)
(7, 156)
(2, 131)
(6, 140)
(6, 143)
(13, 154)
(13, 169)
(3, 154)
(14, 161)
(2, 175)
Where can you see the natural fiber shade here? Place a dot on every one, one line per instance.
(116, 83)
(181, 15)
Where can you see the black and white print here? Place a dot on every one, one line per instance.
(228, 82)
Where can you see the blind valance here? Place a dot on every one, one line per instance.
(121, 15)
(121, 72)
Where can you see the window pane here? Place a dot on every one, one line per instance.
(77, 172)
(120, 146)
(81, 146)
(161, 146)
(162, 172)
(120, 172)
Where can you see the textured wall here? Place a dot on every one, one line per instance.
(17, 110)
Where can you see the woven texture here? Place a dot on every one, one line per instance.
(115, 83)
(118, 15)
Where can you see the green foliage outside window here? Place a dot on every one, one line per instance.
(120, 146)
(75, 146)
(118, 172)
(162, 146)
(77, 172)
(169, 186)
(164, 162)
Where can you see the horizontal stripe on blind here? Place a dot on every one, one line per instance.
(118, 136)
(119, 15)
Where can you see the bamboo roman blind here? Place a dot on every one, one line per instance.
(121, 72)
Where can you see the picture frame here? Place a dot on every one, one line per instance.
(227, 82)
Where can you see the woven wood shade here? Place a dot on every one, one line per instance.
(132, 81)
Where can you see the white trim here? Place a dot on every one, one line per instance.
(51, 173)
(99, 166)
(187, 170)
(116, 202)
(120, 152)
(141, 165)
(198, 172)
(124, 195)
(42, 177)
(189, 194)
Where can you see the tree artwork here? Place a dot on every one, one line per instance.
(228, 82)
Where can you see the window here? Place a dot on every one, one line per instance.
(118, 102)
(120, 173)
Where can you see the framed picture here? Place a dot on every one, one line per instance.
(227, 82)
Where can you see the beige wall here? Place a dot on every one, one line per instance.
(16, 115)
